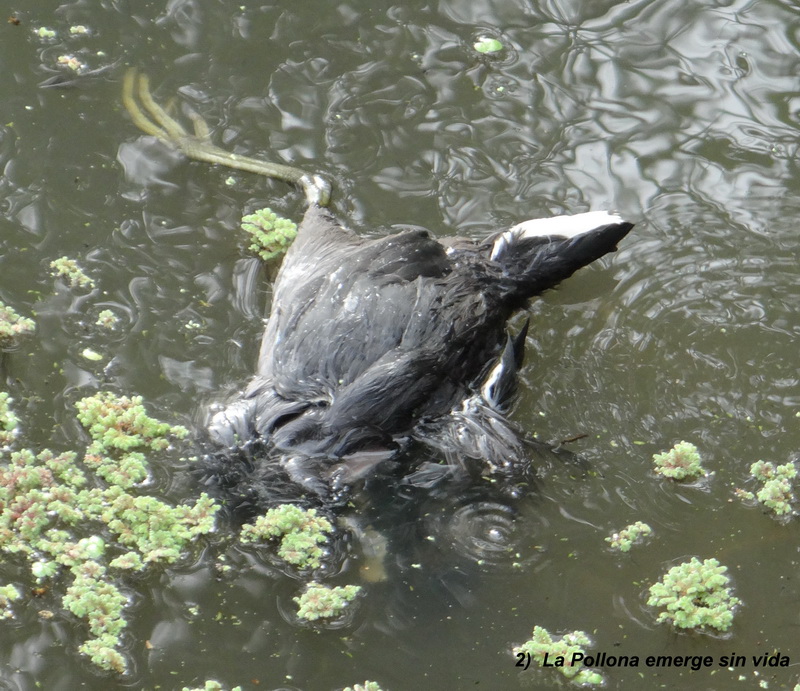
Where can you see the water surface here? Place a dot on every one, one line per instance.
(683, 116)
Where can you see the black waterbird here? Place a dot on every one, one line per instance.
(373, 344)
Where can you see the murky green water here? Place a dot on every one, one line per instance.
(683, 116)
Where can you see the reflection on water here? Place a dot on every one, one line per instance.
(682, 115)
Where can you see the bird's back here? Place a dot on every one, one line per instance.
(369, 340)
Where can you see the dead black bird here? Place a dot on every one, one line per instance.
(375, 343)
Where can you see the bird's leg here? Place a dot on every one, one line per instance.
(152, 119)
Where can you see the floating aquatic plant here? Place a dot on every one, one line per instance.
(487, 44)
(324, 602)
(300, 533)
(91, 355)
(681, 462)
(211, 685)
(271, 234)
(159, 532)
(75, 65)
(625, 538)
(67, 268)
(777, 486)
(120, 430)
(77, 523)
(8, 420)
(120, 423)
(13, 326)
(92, 597)
(695, 595)
(107, 319)
(543, 646)
(8, 593)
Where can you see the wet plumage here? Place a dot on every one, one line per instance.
(374, 343)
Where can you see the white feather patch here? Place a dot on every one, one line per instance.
(487, 390)
(565, 227)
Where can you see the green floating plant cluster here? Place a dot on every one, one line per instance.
(8, 420)
(211, 686)
(107, 319)
(69, 60)
(625, 538)
(681, 462)
(695, 595)
(48, 33)
(120, 430)
(777, 486)
(13, 326)
(91, 355)
(324, 602)
(366, 686)
(271, 234)
(8, 593)
(68, 269)
(78, 524)
(542, 644)
(487, 44)
(300, 533)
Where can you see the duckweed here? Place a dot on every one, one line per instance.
(695, 595)
(13, 326)
(64, 267)
(271, 234)
(324, 602)
(119, 426)
(776, 491)
(8, 420)
(120, 423)
(543, 643)
(487, 44)
(107, 319)
(625, 538)
(681, 462)
(75, 65)
(211, 686)
(91, 355)
(93, 597)
(8, 593)
(76, 522)
(157, 531)
(300, 533)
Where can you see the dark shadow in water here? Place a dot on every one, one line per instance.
(414, 529)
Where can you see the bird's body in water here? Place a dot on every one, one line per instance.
(375, 344)
(371, 344)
